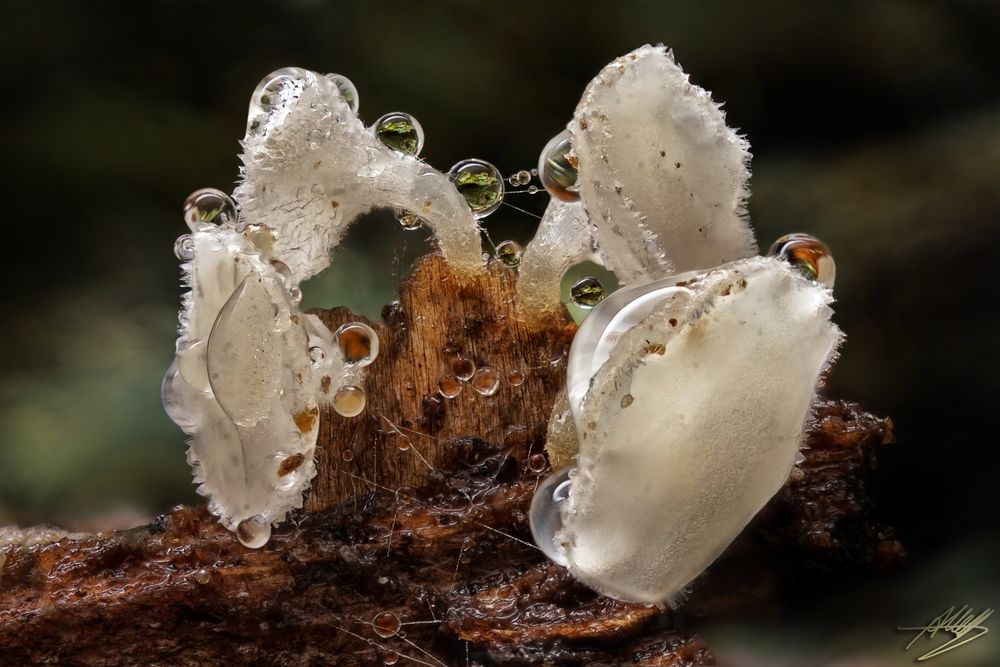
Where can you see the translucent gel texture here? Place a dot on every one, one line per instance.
(312, 167)
(688, 428)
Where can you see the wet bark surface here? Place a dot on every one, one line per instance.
(417, 550)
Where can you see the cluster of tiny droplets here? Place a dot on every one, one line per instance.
(484, 380)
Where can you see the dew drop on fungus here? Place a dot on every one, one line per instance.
(808, 255)
(295, 294)
(509, 252)
(273, 90)
(409, 221)
(254, 532)
(283, 270)
(202, 576)
(349, 401)
(400, 132)
(261, 236)
(358, 343)
(347, 455)
(386, 624)
(480, 183)
(463, 367)
(536, 463)
(449, 385)
(347, 90)
(587, 292)
(486, 381)
(317, 355)
(284, 467)
(193, 365)
(557, 167)
(520, 178)
(515, 377)
(627, 400)
(545, 515)
(184, 248)
(208, 205)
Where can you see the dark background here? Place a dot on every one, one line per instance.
(874, 125)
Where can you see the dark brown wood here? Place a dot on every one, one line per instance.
(444, 547)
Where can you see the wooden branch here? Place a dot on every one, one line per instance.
(434, 536)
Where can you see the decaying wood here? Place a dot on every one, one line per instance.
(435, 534)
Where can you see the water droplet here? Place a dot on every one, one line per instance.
(347, 455)
(295, 294)
(515, 377)
(193, 365)
(409, 221)
(386, 624)
(202, 576)
(480, 183)
(808, 255)
(349, 401)
(273, 92)
(317, 355)
(532, 189)
(587, 292)
(184, 248)
(358, 343)
(402, 443)
(253, 533)
(519, 178)
(401, 132)
(557, 167)
(545, 514)
(536, 463)
(509, 252)
(627, 400)
(383, 580)
(390, 658)
(347, 90)
(449, 385)
(486, 380)
(283, 270)
(463, 367)
(208, 206)
(284, 468)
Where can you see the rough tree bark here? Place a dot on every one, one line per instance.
(418, 512)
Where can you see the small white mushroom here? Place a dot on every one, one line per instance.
(691, 421)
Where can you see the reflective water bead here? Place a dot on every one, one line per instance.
(283, 270)
(402, 443)
(358, 343)
(386, 624)
(347, 90)
(349, 401)
(557, 167)
(274, 90)
(486, 380)
(807, 254)
(587, 292)
(509, 252)
(202, 576)
(253, 533)
(401, 132)
(463, 367)
(284, 467)
(545, 516)
(317, 355)
(208, 205)
(536, 463)
(347, 455)
(184, 248)
(480, 183)
(515, 377)
(390, 658)
(449, 385)
(295, 294)
(520, 178)
(409, 221)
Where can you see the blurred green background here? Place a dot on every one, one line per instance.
(875, 125)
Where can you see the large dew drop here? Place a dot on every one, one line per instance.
(808, 255)
(253, 533)
(557, 167)
(480, 183)
(401, 132)
(358, 343)
(208, 206)
(545, 515)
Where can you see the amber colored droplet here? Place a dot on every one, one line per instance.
(486, 381)
(391, 658)
(515, 377)
(463, 367)
(449, 385)
(202, 576)
(349, 401)
(808, 255)
(358, 343)
(347, 455)
(290, 464)
(627, 400)
(536, 463)
(386, 624)
(402, 443)
(305, 419)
